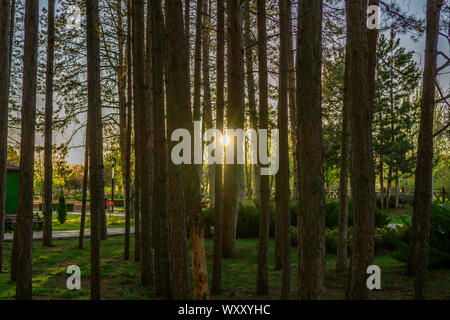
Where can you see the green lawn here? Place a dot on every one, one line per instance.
(121, 279)
(73, 222)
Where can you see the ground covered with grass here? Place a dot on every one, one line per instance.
(121, 278)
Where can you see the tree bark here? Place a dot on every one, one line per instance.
(5, 12)
(207, 104)
(95, 139)
(362, 173)
(84, 200)
(251, 90)
(144, 136)
(235, 120)
(164, 287)
(48, 165)
(262, 276)
(179, 115)
(341, 261)
(26, 171)
(312, 266)
(282, 177)
(423, 196)
(218, 208)
(127, 167)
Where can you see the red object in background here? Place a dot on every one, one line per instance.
(110, 203)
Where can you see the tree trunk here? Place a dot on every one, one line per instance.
(85, 187)
(311, 186)
(251, 90)
(144, 137)
(282, 177)
(341, 261)
(122, 84)
(362, 172)
(5, 12)
(262, 276)
(164, 287)
(179, 116)
(218, 208)
(198, 59)
(397, 189)
(48, 165)
(26, 171)
(95, 139)
(207, 104)
(235, 120)
(423, 197)
(293, 113)
(127, 167)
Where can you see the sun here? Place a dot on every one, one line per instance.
(225, 140)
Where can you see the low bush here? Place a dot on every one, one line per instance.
(439, 245)
(404, 200)
(249, 216)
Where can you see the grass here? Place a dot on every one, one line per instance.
(73, 222)
(121, 278)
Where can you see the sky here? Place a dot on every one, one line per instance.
(413, 7)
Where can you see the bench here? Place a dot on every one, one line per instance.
(11, 221)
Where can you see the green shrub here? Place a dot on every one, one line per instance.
(404, 200)
(439, 245)
(62, 210)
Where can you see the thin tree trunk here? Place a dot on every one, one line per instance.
(262, 276)
(293, 113)
(282, 177)
(144, 133)
(122, 85)
(312, 266)
(251, 90)
(341, 261)
(137, 194)
(95, 140)
(26, 171)
(397, 190)
(198, 59)
(164, 285)
(218, 208)
(362, 173)
(235, 120)
(48, 164)
(127, 168)
(423, 197)
(84, 200)
(207, 104)
(5, 12)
